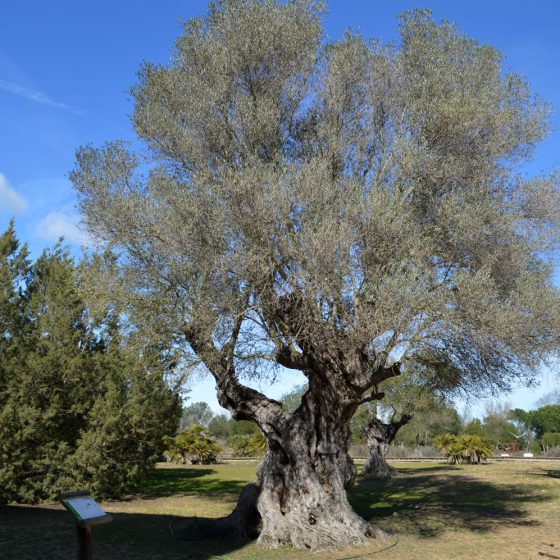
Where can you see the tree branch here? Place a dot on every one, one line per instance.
(242, 402)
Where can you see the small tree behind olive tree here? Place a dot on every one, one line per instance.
(414, 391)
(379, 435)
(328, 206)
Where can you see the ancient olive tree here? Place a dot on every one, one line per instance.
(380, 433)
(329, 207)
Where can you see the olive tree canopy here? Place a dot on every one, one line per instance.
(330, 207)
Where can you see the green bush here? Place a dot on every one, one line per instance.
(248, 445)
(194, 446)
(465, 448)
(243, 427)
(535, 447)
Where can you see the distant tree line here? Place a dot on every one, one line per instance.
(433, 422)
(83, 401)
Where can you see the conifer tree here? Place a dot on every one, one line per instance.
(80, 405)
(14, 270)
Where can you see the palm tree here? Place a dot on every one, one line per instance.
(465, 448)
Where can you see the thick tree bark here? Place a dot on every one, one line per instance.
(304, 475)
(376, 464)
(379, 436)
(241, 524)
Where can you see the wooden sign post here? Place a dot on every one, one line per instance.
(87, 513)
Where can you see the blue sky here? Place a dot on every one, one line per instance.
(66, 68)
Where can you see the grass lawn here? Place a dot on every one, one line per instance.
(433, 511)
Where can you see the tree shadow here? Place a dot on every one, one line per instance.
(48, 533)
(429, 501)
(423, 501)
(551, 473)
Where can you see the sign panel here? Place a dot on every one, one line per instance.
(83, 507)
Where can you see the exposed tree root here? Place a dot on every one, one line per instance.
(243, 523)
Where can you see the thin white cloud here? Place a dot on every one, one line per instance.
(34, 95)
(59, 224)
(10, 200)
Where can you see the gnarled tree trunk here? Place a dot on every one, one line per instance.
(376, 464)
(304, 477)
(379, 436)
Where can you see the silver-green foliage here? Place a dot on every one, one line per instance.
(376, 184)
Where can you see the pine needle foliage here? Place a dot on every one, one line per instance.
(79, 405)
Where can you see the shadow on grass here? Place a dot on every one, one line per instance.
(428, 501)
(49, 534)
(552, 473)
(185, 481)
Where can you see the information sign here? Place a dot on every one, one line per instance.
(87, 513)
(85, 509)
